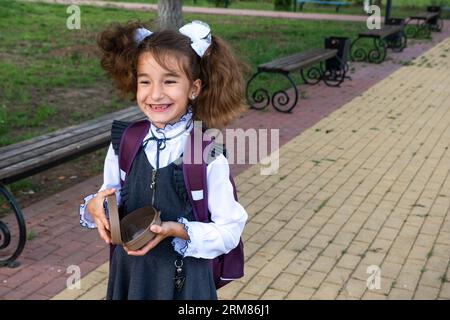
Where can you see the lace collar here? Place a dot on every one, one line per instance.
(175, 128)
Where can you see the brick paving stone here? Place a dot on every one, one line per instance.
(338, 276)
(348, 261)
(230, 291)
(327, 291)
(301, 293)
(445, 291)
(272, 294)
(354, 288)
(257, 285)
(426, 293)
(323, 264)
(373, 296)
(312, 279)
(400, 294)
(431, 278)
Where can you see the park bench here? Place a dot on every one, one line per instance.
(338, 4)
(421, 24)
(328, 65)
(391, 35)
(23, 159)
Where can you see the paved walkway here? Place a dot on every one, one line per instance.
(215, 11)
(367, 186)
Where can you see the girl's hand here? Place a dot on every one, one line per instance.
(167, 229)
(95, 208)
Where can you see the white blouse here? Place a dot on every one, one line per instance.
(206, 240)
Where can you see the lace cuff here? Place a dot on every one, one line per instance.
(181, 245)
(86, 220)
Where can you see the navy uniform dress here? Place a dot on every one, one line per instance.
(151, 276)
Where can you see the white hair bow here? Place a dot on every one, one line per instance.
(200, 35)
(198, 31)
(140, 34)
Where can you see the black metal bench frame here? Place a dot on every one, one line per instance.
(391, 35)
(328, 65)
(425, 23)
(23, 159)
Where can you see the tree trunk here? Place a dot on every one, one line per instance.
(169, 14)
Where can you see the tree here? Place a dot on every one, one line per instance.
(169, 14)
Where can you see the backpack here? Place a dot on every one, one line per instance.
(226, 267)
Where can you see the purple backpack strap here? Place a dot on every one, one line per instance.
(129, 145)
(228, 266)
(194, 173)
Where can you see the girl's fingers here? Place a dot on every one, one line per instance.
(156, 229)
(99, 212)
(142, 251)
(104, 234)
(106, 192)
(105, 223)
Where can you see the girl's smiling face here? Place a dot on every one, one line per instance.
(163, 95)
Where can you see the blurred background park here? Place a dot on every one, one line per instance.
(50, 76)
(51, 79)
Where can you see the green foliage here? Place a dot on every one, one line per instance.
(283, 4)
(3, 119)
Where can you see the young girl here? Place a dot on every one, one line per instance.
(175, 77)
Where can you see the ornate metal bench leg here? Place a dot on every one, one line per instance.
(313, 75)
(378, 54)
(346, 69)
(436, 24)
(5, 236)
(439, 24)
(335, 74)
(399, 43)
(280, 99)
(358, 54)
(410, 29)
(424, 30)
(260, 98)
(420, 30)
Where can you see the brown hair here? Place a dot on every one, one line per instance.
(222, 96)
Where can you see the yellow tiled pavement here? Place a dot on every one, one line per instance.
(366, 186)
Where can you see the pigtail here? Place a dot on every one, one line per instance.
(222, 96)
(119, 55)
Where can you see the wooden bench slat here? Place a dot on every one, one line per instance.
(383, 32)
(289, 59)
(51, 157)
(56, 156)
(74, 140)
(38, 152)
(425, 16)
(298, 61)
(114, 115)
(54, 137)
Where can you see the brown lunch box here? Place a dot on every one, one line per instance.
(133, 231)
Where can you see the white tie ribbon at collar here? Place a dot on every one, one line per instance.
(198, 31)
